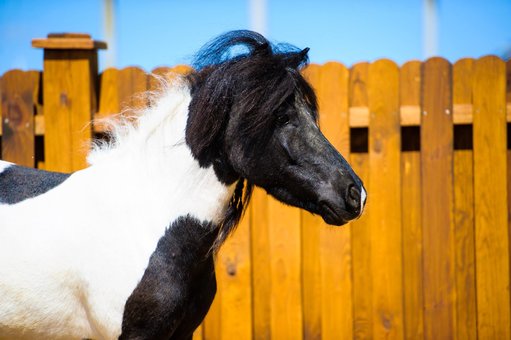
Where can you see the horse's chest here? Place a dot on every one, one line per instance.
(177, 287)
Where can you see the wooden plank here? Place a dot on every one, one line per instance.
(490, 170)
(361, 258)
(466, 308)
(410, 97)
(261, 277)
(361, 236)
(19, 91)
(198, 333)
(335, 243)
(234, 275)
(311, 224)
(68, 41)
(437, 200)
(212, 323)
(410, 115)
(285, 271)
(410, 84)
(385, 186)
(69, 101)
(358, 91)
(132, 84)
(508, 88)
(462, 73)
(122, 92)
(109, 96)
(412, 245)
(168, 74)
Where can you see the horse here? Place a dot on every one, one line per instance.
(125, 247)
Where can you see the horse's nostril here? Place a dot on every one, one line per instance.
(354, 193)
(353, 199)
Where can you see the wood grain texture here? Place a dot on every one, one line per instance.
(335, 243)
(234, 277)
(361, 232)
(410, 97)
(412, 245)
(261, 273)
(68, 41)
(311, 224)
(198, 333)
(285, 271)
(490, 193)
(212, 324)
(166, 74)
(132, 83)
(385, 190)
(123, 92)
(466, 304)
(437, 199)
(69, 101)
(361, 258)
(19, 91)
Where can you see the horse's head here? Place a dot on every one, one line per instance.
(254, 116)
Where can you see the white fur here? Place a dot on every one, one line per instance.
(70, 258)
(363, 196)
(4, 165)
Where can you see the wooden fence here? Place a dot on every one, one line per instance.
(429, 258)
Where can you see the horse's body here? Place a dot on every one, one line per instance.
(124, 247)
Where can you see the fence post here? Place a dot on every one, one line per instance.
(70, 81)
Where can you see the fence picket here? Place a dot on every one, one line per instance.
(234, 277)
(261, 283)
(491, 225)
(335, 243)
(385, 186)
(285, 271)
(437, 200)
(360, 231)
(19, 95)
(410, 100)
(466, 310)
(311, 267)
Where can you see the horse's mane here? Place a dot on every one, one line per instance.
(241, 72)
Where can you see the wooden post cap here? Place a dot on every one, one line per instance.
(68, 41)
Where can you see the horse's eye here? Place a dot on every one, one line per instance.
(282, 119)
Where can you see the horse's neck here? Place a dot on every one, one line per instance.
(155, 164)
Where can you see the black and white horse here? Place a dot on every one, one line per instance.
(124, 248)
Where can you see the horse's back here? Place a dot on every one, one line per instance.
(18, 183)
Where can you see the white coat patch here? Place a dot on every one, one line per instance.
(70, 258)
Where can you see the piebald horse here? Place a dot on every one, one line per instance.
(124, 248)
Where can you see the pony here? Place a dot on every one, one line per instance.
(125, 247)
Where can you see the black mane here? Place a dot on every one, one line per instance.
(238, 74)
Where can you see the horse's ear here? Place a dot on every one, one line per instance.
(208, 114)
(296, 59)
(263, 49)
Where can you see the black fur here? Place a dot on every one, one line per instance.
(178, 285)
(18, 183)
(241, 77)
(253, 117)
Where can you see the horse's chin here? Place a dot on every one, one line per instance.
(331, 216)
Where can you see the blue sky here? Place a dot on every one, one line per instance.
(152, 33)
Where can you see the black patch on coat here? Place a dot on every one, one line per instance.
(178, 285)
(18, 183)
(241, 76)
(241, 85)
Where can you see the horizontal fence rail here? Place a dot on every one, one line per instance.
(429, 258)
